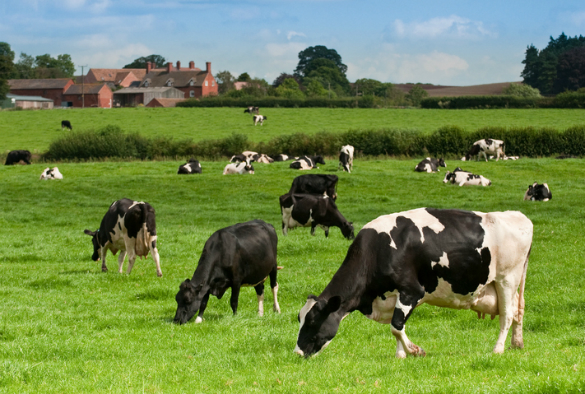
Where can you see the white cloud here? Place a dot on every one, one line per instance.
(114, 58)
(292, 34)
(453, 26)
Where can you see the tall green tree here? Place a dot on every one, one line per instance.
(280, 79)
(244, 77)
(6, 68)
(50, 67)
(225, 81)
(318, 52)
(158, 61)
(416, 94)
(25, 67)
(333, 77)
(570, 71)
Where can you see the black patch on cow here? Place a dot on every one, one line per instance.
(488, 141)
(315, 184)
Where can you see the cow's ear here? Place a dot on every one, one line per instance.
(89, 232)
(312, 297)
(333, 304)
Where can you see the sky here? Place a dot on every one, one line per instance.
(447, 42)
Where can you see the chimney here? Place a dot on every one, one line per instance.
(208, 65)
(178, 65)
(191, 65)
(169, 67)
(148, 67)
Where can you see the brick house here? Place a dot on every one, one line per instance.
(48, 88)
(194, 82)
(89, 95)
(115, 77)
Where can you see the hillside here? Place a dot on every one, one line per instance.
(490, 89)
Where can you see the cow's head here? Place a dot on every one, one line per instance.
(249, 168)
(474, 151)
(96, 244)
(442, 163)
(449, 177)
(319, 160)
(188, 300)
(530, 192)
(347, 230)
(318, 324)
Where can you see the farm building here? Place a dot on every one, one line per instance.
(164, 102)
(192, 81)
(48, 88)
(131, 97)
(26, 102)
(115, 77)
(88, 95)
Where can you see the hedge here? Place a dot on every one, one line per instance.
(276, 102)
(563, 100)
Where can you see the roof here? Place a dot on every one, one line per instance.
(111, 74)
(164, 102)
(179, 78)
(20, 84)
(87, 88)
(143, 90)
(27, 98)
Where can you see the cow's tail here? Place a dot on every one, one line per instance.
(144, 240)
(522, 286)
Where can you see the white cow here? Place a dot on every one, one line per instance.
(464, 178)
(51, 173)
(346, 158)
(259, 118)
(238, 168)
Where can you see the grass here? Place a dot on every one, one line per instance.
(67, 327)
(34, 130)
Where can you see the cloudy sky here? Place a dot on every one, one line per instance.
(448, 42)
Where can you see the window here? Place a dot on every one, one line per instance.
(191, 83)
(206, 83)
(146, 84)
(170, 82)
(192, 93)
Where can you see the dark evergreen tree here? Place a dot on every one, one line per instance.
(158, 61)
(570, 70)
(6, 68)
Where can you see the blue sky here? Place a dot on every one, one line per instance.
(442, 42)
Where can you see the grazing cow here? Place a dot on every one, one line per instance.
(262, 158)
(240, 255)
(464, 178)
(538, 192)
(191, 167)
(252, 109)
(304, 210)
(282, 157)
(430, 165)
(130, 227)
(66, 124)
(16, 156)
(317, 184)
(238, 168)
(506, 157)
(346, 158)
(51, 173)
(448, 258)
(486, 147)
(259, 118)
(307, 162)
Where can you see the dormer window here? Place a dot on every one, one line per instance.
(146, 83)
(169, 82)
(192, 82)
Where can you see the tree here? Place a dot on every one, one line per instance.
(416, 94)
(6, 68)
(289, 89)
(225, 81)
(49, 67)
(521, 90)
(25, 67)
(280, 79)
(570, 71)
(315, 88)
(332, 76)
(318, 52)
(158, 61)
(244, 77)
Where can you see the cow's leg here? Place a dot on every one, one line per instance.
(202, 307)
(131, 250)
(517, 339)
(313, 225)
(234, 297)
(406, 301)
(506, 295)
(155, 257)
(103, 252)
(121, 258)
(260, 294)
(274, 286)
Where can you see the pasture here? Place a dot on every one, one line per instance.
(34, 130)
(67, 327)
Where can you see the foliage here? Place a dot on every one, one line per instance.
(47, 66)
(255, 88)
(233, 99)
(280, 79)
(570, 70)
(25, 67)
(6, 68)
(521, 90)
(310, 54)
(314, 88)
(244, 77)
(140, 62)
(289, 89)
(487, 102)
(570, 100)
(416, 95)
(331, 75)
(225, 81)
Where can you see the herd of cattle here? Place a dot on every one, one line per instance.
(449, 258)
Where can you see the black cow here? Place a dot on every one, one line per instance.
(252, 109)
(315, 184)
(306, 210)
(240, 255)
(15, 156)
(538, 192)
(191, 167)
(448, 258)
(307, 162)
(128, 226)
(430, 165)
(66, 124)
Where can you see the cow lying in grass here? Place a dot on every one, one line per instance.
(537, 192)
(51, 173)
(430, 165)
(464, 178)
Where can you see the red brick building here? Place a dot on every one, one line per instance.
(194, 82)
(89, 95)
(115, 77)
(48, 88)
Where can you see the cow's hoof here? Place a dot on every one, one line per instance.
(104, 269)
(159, 274)
(198, 320)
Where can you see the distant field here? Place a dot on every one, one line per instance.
(67, 327)
(34, 130)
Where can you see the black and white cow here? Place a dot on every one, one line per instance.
(307, 162)
(263, 158)
(66, 124)
(240, 255)
(238, 168)
(191, 167)
(447, 258)
(464, 178)
(537, 192)
(318, 184)
(252, 110)
(259, 118)
(130, 227)
(51, 173)
(306, 210)
(282, 157)
(247, 156)
(485, 147)
(16, 156)
(346, 158)
(430, 165)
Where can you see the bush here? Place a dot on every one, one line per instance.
(276, 102)
(521, 90)
(570, 100)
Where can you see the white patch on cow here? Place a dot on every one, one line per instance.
(198, 320)
(134, 204)
(443, 261)
(383, 309)
(428, 167)
(405, 308)
(444, 296)
(303, 313)
(260, 304)
(275, 306)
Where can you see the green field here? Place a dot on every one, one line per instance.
(34, 130)
(67, 327)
